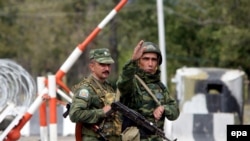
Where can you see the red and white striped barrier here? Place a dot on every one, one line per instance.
(42, 111)
(80, 48)
(52, 108)
(14, 134)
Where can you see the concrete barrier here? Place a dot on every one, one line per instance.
(200, 127)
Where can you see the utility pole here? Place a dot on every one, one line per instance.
(161, 33)
(161, 36)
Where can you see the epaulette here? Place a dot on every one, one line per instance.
(161, 85)
(80, 84)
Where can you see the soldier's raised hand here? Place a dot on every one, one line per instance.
(138, 51)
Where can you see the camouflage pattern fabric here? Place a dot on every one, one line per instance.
(101, 55)
(87, 105)
(152, 138)
(131, 134)
(93, 138)
(135, 96)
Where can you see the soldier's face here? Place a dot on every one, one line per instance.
(148, 62)
(99, 70)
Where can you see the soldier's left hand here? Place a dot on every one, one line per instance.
(158, 112)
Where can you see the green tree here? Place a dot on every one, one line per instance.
(41, 34)
(8, 30)
(207, 33)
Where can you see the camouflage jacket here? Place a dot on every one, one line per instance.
(135, 96)
(87, 104)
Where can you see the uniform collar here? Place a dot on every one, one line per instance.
(149, 78)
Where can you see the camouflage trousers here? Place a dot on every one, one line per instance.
(94, 138)
(151, 138)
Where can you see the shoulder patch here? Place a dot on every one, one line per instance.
(159, 96)
(84, 93)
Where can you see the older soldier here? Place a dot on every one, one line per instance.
(92, 99)
(140, 77)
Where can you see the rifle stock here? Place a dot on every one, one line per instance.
(137, 118)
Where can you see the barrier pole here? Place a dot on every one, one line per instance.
(4, 113)
(52, 108)
(80, 48)
(42, 111)
(15, 134)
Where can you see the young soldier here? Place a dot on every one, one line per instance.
(92, 99)
(144, 64)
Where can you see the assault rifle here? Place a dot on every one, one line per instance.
(137, 118)
(66, 113)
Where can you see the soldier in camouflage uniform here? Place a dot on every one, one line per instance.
(92, 99)
(145, 63)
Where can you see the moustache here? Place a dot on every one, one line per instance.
(106, 72)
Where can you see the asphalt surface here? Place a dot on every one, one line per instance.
(37, 138)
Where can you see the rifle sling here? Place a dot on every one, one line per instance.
(148, 90)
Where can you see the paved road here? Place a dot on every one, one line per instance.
(37, 138)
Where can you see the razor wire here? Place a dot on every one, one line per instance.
(16, 85)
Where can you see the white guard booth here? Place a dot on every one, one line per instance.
(209, 100)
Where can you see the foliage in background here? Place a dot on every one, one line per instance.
(41, 34)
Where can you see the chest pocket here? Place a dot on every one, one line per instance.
(96, 101)
(103, 97)
(109, 98)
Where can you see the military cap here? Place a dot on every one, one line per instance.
(101, 55)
